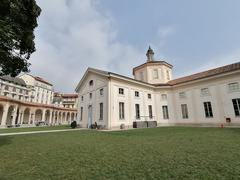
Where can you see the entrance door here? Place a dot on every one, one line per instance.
(89, 116)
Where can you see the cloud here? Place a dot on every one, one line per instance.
(73, 35)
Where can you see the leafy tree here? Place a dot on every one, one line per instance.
(18, 19)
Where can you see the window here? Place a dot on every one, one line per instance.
(101, 92)
(150, 111)
(6, 88)
(91, 83)
(149, 96)
(205, 92)
(184, 111)
(236, 106)
(14, 89)
(20, 91)
(168, 75)
(182, 95)
(155, 74)
(164, 96)
(165, 112)
(137, 109)
(101, 111)
(121, 110)
(121, 91)
(81, 98)
(90, 95)
(208, 109)
(233, 87)
(136, 94)
(81, 114)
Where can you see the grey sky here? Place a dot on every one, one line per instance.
(114, 35)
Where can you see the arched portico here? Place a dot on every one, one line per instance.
(26, 116)
(38, 115)
(1, 113)
(47, 116)
(10, 116)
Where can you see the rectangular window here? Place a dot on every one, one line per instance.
(101, 111)
(90, 95)
(155, 74)
(184, 111)
(182, 95)
(137, 110)
(149, 96)
(168, 75)
(233, 87)
(82, 98)
(208, 109)
(205, 92)
(236, 106)
(165, 112)
(121, 110)
(121, 91)
(164, 96)
(150, 111)
(81, 114)
(101, 92)
(136, 94)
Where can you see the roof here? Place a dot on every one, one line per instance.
(69, 95)
(14, 80)
(150, 63)
(206, 74)
(41, 80)
(197, 76)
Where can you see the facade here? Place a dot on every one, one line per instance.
(114, 101)
(41, 90)
(27, 101)
(65, 100)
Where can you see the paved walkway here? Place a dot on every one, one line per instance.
(38, 132)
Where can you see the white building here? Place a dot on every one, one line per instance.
(42, 91)
(65, 100)
(114, 101)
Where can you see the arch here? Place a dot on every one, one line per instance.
(64, 117)
(47, 116)
(72, 117)
(68, 117)
(1, 113)
(26, 116)
(55, 117)
(38, 115)
(10, 115)
(59, 117)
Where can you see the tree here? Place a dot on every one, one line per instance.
(18, 19)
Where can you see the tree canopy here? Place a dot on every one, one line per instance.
(18, 19)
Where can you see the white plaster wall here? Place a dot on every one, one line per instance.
(99, 82)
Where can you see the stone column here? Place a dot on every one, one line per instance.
(14, 115)
(33, 118)
(50, 118)
(43, 115)
(5, 113)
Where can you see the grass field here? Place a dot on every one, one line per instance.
(39, 128)
(160, 153)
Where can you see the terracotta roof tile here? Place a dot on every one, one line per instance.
(206, 74)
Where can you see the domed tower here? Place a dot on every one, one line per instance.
(153, 72)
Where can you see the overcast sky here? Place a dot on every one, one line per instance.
(114, 35)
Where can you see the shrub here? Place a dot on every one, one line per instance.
(73, 124)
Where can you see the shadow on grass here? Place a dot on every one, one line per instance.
(5, 140)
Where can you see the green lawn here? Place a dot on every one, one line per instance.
(160, 153)
(39, 128)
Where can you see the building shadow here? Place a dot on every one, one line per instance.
(5, 140)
